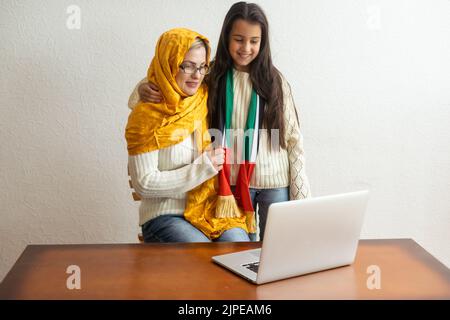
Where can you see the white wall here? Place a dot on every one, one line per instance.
(371, 79)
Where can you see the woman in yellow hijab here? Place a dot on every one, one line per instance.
(169, 148)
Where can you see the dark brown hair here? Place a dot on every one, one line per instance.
(266, 79)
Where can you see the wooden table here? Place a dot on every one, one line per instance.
(185, 271)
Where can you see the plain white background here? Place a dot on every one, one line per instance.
(371, 80)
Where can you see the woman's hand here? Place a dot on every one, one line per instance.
(149, 92)
(217, 157)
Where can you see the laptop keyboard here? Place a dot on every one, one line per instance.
(252, 266)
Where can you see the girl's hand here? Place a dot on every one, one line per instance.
(149, 92)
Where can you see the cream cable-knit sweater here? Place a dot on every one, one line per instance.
(163, 177)
(273, 169)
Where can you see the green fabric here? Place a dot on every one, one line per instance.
(251, 116)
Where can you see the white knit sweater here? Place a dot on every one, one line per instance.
(163, 177)
(273, 169)
(276, 168)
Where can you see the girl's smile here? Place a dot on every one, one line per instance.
(244, 43)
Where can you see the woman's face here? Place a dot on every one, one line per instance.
(189, 83)
(244, 43)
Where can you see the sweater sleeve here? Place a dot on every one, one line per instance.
(298, 181)
(134, 97)
(149, 182)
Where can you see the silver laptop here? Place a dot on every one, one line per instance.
(303, 236)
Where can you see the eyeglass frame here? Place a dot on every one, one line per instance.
(182, 67)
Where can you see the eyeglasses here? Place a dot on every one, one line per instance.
(192, 68)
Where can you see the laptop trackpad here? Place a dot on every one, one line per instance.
(256, 253)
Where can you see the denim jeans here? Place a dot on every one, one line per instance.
(263, 198)
(174, 228)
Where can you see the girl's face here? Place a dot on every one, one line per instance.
(244, 43)
(190, 82)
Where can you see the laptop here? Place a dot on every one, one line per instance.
(303, 236)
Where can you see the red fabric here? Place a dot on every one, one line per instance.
(224, 175)
(242, 191)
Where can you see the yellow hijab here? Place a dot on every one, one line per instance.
(153, 126)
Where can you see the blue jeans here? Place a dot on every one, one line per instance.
(174, 228)
(264, 198)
